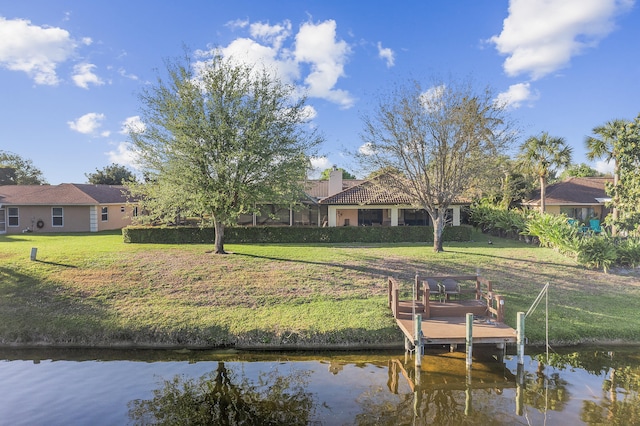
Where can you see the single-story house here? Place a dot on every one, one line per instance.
(580, 198)
(67, 207)
(348, 202)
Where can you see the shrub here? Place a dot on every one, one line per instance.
(286, 234)
(553, 231)
(628, 251)
(491, 218)
(597, 252)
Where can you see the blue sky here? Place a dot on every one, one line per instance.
(70, 71)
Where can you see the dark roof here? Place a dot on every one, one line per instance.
(63, 194)
(575, 191)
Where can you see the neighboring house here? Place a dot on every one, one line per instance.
(370, 203)
(64, 208)
(580, 198)
(348, 202)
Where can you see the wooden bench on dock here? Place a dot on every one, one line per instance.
(443, 320)
(477, 298)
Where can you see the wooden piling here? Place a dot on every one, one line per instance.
(418, 340)
(520, 337)
(469, 340)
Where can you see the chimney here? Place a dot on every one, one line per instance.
(335, 181)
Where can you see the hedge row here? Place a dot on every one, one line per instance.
(271, 234)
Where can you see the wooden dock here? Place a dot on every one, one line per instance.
(444, 321)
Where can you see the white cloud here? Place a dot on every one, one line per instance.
(124, 74)
(237, 24)
(432, 98)
(88, 124)
(366, 149)
(541, 36)
(123, 155)
(132, 124)
(387, 54)
(34, 50)
(318, 165)
(84, 75)
(249, 51)
(272, 34)
(604, 166)
(317, 46)
(516, 95)
(309, 113)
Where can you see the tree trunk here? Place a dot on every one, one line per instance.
(543, 194)
(219, 237)
(615, 212)
(438, 228)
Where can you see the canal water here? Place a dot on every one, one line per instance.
(103, 387)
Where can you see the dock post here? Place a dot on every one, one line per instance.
(418, 340)
(469, 339)
(520, 390)
(34, 252)
(520, 337)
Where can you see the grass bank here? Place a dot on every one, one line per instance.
(94, 290)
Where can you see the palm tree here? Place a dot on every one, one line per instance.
(604, 147)
(540, 155)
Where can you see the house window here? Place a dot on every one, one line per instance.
(14, 216)
(57, 216)
(135, 211)
(121, 209)
(369, 217)
(105, 214)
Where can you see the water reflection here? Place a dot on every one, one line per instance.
(588, 386)
(223, 397)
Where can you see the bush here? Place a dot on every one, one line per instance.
(273, 234)
(628, 252)
(553, 231)
(597, 252)
(490, 218)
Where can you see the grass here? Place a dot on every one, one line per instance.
(94, 290)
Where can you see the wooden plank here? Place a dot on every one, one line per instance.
(452, 330)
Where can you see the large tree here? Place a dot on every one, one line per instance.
(441, 140)
(15, 170)
(222, 137)
(603, 145)
(114, 174)
(626, 190)
(543, 155)
(580, 170)
(326, 173)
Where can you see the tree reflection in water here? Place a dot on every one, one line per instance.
(491, 395)
(222, 398)
(619, 402)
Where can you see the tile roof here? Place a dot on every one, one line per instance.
(574, 191)
(367, 192)
(378, 191)
(320, 188)
(63, 194)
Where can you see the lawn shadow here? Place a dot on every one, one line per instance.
(396, 268)
(55, 263)
(516, 259)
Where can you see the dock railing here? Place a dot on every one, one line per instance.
(394, 296)
(483, 290)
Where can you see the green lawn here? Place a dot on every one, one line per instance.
(92, 289)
